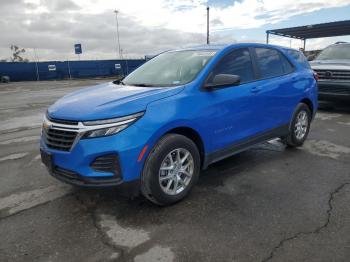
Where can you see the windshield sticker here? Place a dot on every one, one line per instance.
(204, 53)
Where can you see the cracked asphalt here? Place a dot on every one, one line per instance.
(266, 204)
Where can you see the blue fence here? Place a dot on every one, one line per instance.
(18, 71)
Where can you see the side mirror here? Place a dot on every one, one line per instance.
(118, 80)
(223, 80)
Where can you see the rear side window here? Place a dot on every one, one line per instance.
(299, 57)
(272, 63)
(287, 66)
(238, 62)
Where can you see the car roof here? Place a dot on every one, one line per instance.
(219, 47)
(339, 43)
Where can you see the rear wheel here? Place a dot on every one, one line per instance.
(299, 127)
(171, 170)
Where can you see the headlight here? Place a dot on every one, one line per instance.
(107, 127)
(105, 131)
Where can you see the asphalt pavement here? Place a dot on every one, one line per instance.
(270, 203)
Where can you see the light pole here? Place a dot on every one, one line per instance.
(208, 26)
(116, 19)
(126, 61)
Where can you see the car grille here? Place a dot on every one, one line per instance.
(61, 134)
(59, 139)
(333, 74)
(74, 178)
(65, 173)
(334, 89)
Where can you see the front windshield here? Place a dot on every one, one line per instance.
(335, 52)
(170, 69)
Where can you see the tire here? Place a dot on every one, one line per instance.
(299, 127)
(162, 167)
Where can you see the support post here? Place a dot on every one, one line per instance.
(267, 37)
(304, 44)
(70, 76)
(36, 65)
(37, 71)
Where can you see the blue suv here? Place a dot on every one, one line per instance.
(156, 129)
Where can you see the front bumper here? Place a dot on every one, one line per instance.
(79, 165)
(76, 179)
(333, 90)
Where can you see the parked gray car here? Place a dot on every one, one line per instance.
(333, 68)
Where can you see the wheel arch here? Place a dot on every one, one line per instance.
(309, 103)
(192, 134)
(183, 127)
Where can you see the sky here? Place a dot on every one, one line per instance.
(48, 29)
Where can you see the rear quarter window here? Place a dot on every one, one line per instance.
(272, 63)
(299, 57)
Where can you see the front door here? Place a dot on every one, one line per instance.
(231, 114)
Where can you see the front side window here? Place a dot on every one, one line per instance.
(238, 63)
(271, 63)
(170, 69)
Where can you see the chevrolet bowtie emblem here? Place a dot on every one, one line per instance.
(328, 74)
(46, 125)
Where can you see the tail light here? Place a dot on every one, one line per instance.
(315, 76)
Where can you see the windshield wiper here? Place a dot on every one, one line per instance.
(120, 82)
(143, 85)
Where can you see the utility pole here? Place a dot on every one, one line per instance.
(208, 25)
(116, 19)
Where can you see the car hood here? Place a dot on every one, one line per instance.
(107, 101)
(338, 64)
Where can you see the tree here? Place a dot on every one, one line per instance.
(17, 54)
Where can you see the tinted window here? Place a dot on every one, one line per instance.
(287, 66)
(299, 57)
(271, 63)
(237, 62)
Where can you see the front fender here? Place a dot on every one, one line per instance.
(170, 126)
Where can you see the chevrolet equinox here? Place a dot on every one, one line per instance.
(154, 131)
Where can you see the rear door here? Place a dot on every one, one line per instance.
(275, 91)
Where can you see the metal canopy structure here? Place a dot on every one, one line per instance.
(338, 28)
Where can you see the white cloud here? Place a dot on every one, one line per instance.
(53, 26)
(190, 15)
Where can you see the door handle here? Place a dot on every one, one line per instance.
(255, 89)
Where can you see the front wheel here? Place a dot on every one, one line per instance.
(171, 170)
(299, 126)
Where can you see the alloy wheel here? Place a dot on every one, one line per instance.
(176, 171)
(301, 125)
